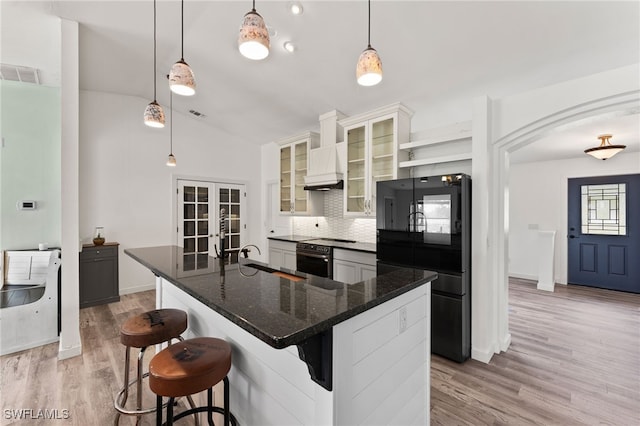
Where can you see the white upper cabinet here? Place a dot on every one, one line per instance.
(372, 144)
(294, 163)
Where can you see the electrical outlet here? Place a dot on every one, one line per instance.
(403, 319)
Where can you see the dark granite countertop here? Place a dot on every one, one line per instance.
(278, 311)
(357, 246)
(293, 238)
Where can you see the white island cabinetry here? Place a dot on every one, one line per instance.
(353, 266)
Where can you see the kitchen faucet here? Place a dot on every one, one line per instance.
(245, 251)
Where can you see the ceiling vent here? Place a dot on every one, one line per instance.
(19, 73)
(196, 114)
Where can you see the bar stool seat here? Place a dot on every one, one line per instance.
(153, 327)
(189, 367)
(141, 331)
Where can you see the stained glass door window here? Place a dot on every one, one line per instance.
(604, 209)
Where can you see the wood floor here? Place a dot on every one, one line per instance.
(574, 359)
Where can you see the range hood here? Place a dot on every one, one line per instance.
(324, 170)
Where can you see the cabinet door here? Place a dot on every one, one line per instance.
(276, 258)
(367, 272)
(356, 191)
(289, 260)
(381, 156)
(344, 271)
(300, 162)
(285, 180)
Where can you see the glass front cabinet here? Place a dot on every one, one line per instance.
(294, 162)
(372, 142)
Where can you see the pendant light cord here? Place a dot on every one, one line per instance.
(182, 32)
(254, 6)
(171, 122)
(369, 27)
(154, 50)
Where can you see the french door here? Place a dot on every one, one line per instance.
(210, 215)
(604, 232)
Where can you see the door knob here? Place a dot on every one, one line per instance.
(572, 236)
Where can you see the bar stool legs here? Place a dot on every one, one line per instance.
(229, 419)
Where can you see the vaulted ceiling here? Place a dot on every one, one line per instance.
(437, 56)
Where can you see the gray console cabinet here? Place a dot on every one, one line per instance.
(99, 274)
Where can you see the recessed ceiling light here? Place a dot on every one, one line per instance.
(296, 8)
(289, 46)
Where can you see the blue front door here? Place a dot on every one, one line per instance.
(604, 232)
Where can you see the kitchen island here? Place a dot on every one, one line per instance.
(307, 350)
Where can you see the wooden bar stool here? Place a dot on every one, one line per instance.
(141, 331)
(188, 367)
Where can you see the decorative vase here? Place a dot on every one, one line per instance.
(98, 238)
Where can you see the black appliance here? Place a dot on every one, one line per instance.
(313, 258)
(426, 223)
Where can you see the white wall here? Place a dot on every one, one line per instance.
(538, 196)
(125, 185)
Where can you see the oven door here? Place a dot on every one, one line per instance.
(314, 263)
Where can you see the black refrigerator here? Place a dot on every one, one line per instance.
(426, 223)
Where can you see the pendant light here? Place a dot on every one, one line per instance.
(369, 68)
(153, 113)
(605, 150)
(171, 160)
(181, 78)
(253, 40)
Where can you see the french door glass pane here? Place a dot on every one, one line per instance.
(203, 227)
(190, 194)
(189, 211)
(203, 194)
(189, 228)
(203, 211)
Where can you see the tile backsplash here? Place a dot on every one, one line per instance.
(334, 225)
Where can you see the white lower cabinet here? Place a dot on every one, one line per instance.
(353, 266)
(282, 254)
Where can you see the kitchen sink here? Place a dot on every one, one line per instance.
(281, 274)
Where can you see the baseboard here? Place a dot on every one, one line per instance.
(69, 352)
(524, 276)
(506, 342)
(482, 356)
(131, 290)
(30, 345)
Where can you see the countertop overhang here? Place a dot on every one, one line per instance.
(278, 311)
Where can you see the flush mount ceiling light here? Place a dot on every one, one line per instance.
(369, 68)
(605, 150)
(153, 113)
(253, 40)
(289, 46)
(181, 78)
(171, 160)
(295, 8)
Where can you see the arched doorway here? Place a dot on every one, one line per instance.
(502, 127)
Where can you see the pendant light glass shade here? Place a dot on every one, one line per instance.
(171, 161)
(253, 40)
(154, 115)
(181, 79)
(369, 68)
(605, 150)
